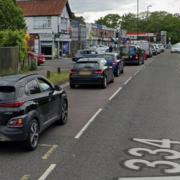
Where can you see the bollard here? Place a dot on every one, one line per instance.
(48, 75)
(59, 70)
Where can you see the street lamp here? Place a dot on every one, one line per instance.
(148, 10)
(137, 19)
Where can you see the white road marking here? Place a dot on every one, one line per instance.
(151, 178)
(47, 172)
(88, 123)
(126, 82)
(25, 177)
(50, 151)
(136, 73)
(115, 93)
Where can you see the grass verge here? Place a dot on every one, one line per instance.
(59, 78)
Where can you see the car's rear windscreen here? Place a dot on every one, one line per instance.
(107, 57)
(7, 92)
(86, 65)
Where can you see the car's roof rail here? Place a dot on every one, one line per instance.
(27, 75)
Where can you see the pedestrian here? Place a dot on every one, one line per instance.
(110, 48)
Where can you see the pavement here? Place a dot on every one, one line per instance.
(51, 65)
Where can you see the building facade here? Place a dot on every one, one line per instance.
(99, 35)
(48, 23)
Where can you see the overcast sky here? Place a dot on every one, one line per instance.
(93, 9)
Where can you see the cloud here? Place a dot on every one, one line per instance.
(92, 10)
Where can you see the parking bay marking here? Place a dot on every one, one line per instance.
(26, 177)
(50, 151)
(129, 79)
(88, 123)
(115, 93)
(152, 178)
(47, 172)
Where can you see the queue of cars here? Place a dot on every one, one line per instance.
(94, 67)
(30, 103)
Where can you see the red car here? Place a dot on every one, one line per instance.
(39, 57)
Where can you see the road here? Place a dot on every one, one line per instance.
(127, 131)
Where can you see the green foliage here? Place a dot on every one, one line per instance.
(11, 16)
(110, 20)
(14, 38)
(129, 22)
(155, 23)
(78, 18)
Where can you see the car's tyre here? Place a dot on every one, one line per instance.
(112, 80)
(64, 113)
(104, 85)
(117, 73)
(32, 140)
(122, 71)
(72, 86)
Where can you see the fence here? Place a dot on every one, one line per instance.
(9, 59)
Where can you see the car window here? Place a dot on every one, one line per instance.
(32, 87)
(44, 86)
(107, 57)
(7, 92)
(124, 50)
(132, 50)
(86, 65)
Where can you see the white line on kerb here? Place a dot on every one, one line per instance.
(88, 123)
(125, 83)
(152, 178)
(115, 93)
(47, 172)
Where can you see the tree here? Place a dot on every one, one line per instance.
(78, 18)
(130, 23)
(11, 17)
(110, 20)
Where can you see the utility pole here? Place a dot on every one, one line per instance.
(137, 19)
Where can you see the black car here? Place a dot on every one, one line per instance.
(28, 105)
(114, 60)
(132, 54)
(84, 53)
(91, 71)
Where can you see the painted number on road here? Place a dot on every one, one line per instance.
(169, 167)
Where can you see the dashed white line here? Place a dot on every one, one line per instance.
(136, 73)
(47, 172)
(115, 93)
(88, 123)
(152, 178)
(129, 79)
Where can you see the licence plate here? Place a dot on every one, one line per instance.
(84, 73)
(124, 57)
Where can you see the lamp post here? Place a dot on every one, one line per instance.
(148, 10)
(137, 19)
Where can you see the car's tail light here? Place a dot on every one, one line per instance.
(12, 105)
(99, 72)
(137, 57)
(16, 123)
(73, 71)
(113, 62)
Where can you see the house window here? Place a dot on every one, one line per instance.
(42, 22)
(64, 24)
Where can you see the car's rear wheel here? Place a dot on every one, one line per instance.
(32, 140)
(117, 73)
(104, 85)
(72, 86)
(64, 113)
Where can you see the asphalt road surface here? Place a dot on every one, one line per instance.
(129, 131)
